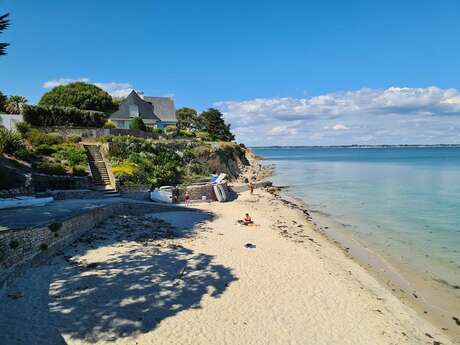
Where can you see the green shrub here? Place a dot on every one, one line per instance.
(22, 154)
(186, 133)
(203, 136)
(50, 168)
(79, 170)
(73, 139)
(70, 154)
(36, 138)
(123, 178)
(137, 123)
(45, 149)
(157, 130)
(199, 169)
(170, 129)
(10, 141)
(109, 124)
(23, 127)
(62, 116)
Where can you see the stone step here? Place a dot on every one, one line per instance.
(97, 166)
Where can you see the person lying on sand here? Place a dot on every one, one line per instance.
(247, 220)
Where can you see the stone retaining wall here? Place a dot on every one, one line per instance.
(87, 133)
(82, 132)
(198, 191)
(42, 182)
(20, 248)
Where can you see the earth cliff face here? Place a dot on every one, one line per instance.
(231, 161)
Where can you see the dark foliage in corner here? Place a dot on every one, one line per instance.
(4, 23)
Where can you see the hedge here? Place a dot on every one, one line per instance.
(62, 116)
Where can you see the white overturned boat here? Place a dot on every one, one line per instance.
(23, 201)
(220, 192)
(163, 194)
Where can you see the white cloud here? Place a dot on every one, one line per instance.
(339, 127)
(393, 115)
(61, 81)
(282, 130)
(115, 89)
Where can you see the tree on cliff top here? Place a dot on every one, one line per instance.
(212, 121)
(79, 95)
(4, 23)
(187, 118)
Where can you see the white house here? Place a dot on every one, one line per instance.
(9, 121)
(156, 112)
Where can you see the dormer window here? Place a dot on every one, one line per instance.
(133, 111)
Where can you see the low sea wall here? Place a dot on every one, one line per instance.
(141, 192)
(20, 248)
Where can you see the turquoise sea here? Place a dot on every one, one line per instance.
(403, 202)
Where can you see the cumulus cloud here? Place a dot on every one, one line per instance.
(393, 115)
(115, 89)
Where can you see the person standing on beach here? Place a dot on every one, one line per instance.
(251, 187)
(187, 198)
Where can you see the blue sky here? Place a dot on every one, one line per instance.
(291, 72)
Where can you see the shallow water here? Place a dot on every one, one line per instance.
(403, 203)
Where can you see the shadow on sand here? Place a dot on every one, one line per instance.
(134, 286)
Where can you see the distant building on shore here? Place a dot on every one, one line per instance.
(157, 112)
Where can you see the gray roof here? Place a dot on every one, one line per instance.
(163, 107)
(145, 108)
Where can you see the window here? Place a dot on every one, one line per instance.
(133, 110)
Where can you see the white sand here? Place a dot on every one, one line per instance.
(210, 289)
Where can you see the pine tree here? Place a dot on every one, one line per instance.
(212, 121)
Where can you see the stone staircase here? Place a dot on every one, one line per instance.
(99, 172)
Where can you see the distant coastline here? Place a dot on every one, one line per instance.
(353, 146)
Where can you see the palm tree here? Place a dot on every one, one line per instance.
(4, 23)
(14, 104)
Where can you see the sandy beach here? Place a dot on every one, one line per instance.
(189, 278)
